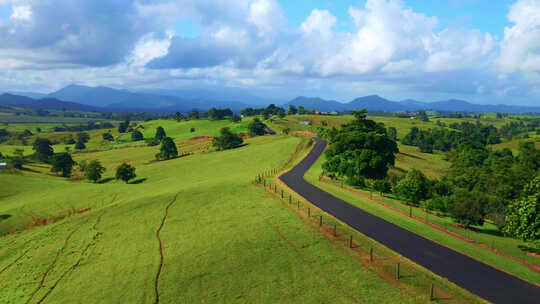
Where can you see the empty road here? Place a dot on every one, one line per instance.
(479, 278)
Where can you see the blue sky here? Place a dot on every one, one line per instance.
(478, 50)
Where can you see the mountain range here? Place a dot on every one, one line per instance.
(76, 97)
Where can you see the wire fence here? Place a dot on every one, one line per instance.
(408, 277)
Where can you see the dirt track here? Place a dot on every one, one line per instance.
(481, 279)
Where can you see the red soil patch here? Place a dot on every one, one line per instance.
(305, 133)
(201, 138)
(533, 254)
(84, 210)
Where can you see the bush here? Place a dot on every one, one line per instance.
(256, 127)
(108, 136)
(356, 181)
(382, 186)
(136, 136)
(168, 149)
(227, 140)
(468, 208)
(82, 165)
(94, 170)
(125, 172)
(80, 145)
(192, 130)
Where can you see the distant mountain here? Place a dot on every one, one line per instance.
(316, 103)
(142, 101)
(32, 95)
(45, 103)
(377, 103)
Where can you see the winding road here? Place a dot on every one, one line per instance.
(481, 279)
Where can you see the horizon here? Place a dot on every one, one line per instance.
(475, 51)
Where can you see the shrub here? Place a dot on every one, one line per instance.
(227, 140)
(168, 149)
(94, 170)
(125, 172)
(136, 136)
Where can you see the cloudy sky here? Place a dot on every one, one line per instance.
(484, 51)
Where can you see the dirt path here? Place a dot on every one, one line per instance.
(161, 252)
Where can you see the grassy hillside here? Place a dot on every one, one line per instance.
(193, 230)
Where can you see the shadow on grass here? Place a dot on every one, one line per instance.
(529, 249)
(29, 170)
(106, 180)
(4, 216)
(138, 181)
(410, 155)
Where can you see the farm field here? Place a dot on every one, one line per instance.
(223, 239)
(488, 235)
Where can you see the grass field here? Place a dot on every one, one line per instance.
(222, 238)
(488, 234)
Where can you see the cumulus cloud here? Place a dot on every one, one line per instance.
(93, 33)
(520, 49)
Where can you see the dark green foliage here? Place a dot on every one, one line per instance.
(123, 126)
(301, 110)
(256, 127)
(286, 131)
(356, 181)
(194, 114)
(266, 115)
(168, 149)
(43, 149)
(523, 219)
(421, 115)
(17, 162)
(82, 165)
(80, 145)
(413, 188)
(236, 118)
(192, 130)
(360, 148)
(468, 208)
(219, 114)
(392, 133)
(529, 157)
(83, 137)
(292, 110)
(382, 186)
(160, 133)
(62, 162)
(152, 142)
(227, 140)
(94, 170)
(136, 136)
(125, 172)
(108, 136)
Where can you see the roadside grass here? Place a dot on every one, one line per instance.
(224, 239)
(487, 235)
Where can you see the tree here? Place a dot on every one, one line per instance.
(125, 172)
(136, 136)
(392, 133)
(191, 130)
(382, 186)
(529, 156)
(108, 136)
(286, 131)
(523, 218)
(62, 162)
(123, 126)
(94, 170)
(194, 114)
(236, 118)
(83, 137)
(301, 110)
(413, 188)
(160, 133)
(227, 140)
(43, 149)
(468, 208)
(82, 165)
(168, 149)
(256, 127)
(80, 145)
(292, 110)
(360, 148)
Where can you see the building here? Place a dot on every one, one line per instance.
(3, 166)
(305, 123)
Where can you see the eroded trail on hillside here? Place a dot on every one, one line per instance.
(475, 276)
(161, 253)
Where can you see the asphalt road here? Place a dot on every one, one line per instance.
(481, 279)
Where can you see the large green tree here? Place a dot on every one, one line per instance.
(256, 127)
(160, 133)
(227, 140)
(523, 218)
(62, 162)
(168, 149)
(361, 148)
(94, 170)
(125, 172)
(413, 188)
(43, 149)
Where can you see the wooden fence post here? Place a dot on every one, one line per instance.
(410, 211)
(308, 212)
(397, 271)
(281, 193)
(335, 230)
(371, 254)
(350, 242)
(431, 291)
(320, 221)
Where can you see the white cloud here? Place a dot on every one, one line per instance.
(520, 49)
(21, 12)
